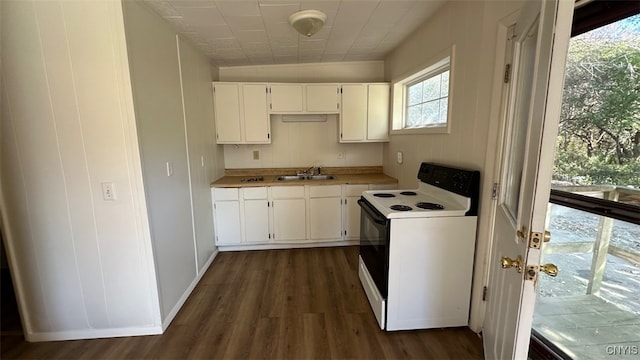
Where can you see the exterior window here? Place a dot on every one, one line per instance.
(421, 100)
(427, 101)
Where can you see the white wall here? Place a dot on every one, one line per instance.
(304, 144)
(472, 26)
(83, 266)
(174, 114)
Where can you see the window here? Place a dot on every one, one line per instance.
(421, 100)
(427, 101)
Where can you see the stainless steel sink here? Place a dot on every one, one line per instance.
(304, 177)
(320, 177)
(291, 177)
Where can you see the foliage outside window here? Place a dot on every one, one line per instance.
(421, 100)
(427, 101)
(599, 134)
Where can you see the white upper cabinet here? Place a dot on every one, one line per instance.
(241, 113)
(322, 98)
(353, 118)
(257, 128)
(304, 98)
(378, 112)
(226, 104)
(286, 98)
(364, 116)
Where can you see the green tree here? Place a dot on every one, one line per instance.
(599, 135)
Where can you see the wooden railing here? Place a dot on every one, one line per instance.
(610, 202)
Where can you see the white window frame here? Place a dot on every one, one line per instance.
(437, 65)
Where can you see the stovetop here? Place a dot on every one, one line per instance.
(434, 201)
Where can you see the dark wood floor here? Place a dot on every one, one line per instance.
(294, 304)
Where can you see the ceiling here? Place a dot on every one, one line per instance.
(257, 32)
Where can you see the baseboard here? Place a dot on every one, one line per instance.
(223, 248)
(172, 314)
(92, 334)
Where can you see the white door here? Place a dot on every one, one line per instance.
(531, 119)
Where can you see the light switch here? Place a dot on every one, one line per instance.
(399, 160)
(108, 191)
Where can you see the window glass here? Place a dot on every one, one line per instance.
(427, 101)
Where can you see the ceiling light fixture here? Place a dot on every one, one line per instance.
(307, 22)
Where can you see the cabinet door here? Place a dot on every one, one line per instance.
(256, 221)
(352, 210)
(289, 219)
(353, 115)
(227, 214)
(256, 116)
(226, 104)
(322, 98)
(378, 112)
(325, 218)
(286, 98)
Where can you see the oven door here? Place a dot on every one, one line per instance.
(374, 245)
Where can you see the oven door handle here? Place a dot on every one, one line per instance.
(377, 218)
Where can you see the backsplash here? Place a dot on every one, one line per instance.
(302, 145)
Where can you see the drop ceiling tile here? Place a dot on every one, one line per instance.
(326, 6)
(164, 8)
(278, 12)
(332, 57)
(215, 32)
(284, 42)
(238, 8)
(390, 12)
(240, 23)
(252, 36)
(278, 30)
(230, 43)
(312, 44)
(192, 3)
(367, 41)
(361, 50)
(310, 52)
(200, 17)
(285, 59)
(285, 51)
(310, 59)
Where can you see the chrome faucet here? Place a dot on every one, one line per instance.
(309, 171)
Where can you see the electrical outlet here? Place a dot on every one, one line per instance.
(108, 191)
(256, 154)
(341, 155)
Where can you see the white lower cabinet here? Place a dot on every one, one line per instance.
(325, 212)
(227, 216)
(255, 221)
(288, 214)
(289, 207)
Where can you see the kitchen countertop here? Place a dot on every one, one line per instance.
(235, 178)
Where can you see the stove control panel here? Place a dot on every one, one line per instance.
(460, 181)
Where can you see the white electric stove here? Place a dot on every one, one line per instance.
(417, 248)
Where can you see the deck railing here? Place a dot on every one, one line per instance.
(610, 202)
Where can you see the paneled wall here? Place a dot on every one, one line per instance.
(305, 144)
(83, 265)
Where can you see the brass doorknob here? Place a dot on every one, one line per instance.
(547, 236)
(507, 262)
(549, 269)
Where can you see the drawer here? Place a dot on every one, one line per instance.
(221, 194)
(355, 190)
(256, 193)
(325, 191)
(287, 192)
